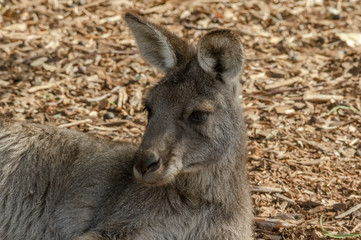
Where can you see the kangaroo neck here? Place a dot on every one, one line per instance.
(218, 182)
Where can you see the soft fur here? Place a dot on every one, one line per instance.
(61, 184)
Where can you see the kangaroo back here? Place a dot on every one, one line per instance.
(51, 179)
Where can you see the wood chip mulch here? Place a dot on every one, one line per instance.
(74, 64)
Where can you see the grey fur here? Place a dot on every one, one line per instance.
(61, 184)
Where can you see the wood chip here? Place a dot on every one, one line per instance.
(282, 83)
(284, 109)
(315, 97)
(348, 212)
(20, 27)
(43, 87)
(290, 201)
(4, 83)
(272, 223)
(38, 62)
(75, 123)
(267, 189)
(55, 55)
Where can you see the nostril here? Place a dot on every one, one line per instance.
(150, 164)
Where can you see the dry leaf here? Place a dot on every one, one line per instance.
(351, 39)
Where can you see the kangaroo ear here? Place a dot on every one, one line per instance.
(158, 46)
(220, 52)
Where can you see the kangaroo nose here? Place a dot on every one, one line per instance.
(150, 162)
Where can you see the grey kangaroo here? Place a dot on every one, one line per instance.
(186, 180)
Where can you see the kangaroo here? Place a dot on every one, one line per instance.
(186, 180)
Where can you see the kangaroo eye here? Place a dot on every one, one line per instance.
(198, 117)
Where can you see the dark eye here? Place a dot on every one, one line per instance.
(198, 117)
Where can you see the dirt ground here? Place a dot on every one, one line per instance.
(73, 63)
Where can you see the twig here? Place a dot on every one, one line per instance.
(92, 4)
(274, 222)
(286, 89)
(315, 97)
(348, 212)
(37, 88)
(10, 45)
(290, 201)
(267, 189)
(356, 227)
(305, 163)
(332, 235)
(315, 145)
(279, 84)
(186, 25)
(75, 123)
(272, 161)
(104, 96)
(102, 128)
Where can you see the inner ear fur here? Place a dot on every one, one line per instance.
(221, 52)
(158, 46)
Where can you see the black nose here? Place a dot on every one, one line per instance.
(148, 162)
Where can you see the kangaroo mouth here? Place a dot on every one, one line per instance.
(164, 173)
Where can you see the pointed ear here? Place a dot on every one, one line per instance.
(158, 46)
(220, 52)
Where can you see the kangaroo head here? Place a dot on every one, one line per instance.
(194, 115)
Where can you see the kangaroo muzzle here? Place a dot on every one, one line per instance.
(154, 169)
(147, 163)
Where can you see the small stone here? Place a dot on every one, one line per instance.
(335, 13)
(358, 153)
(109, 115)
(93, 114)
